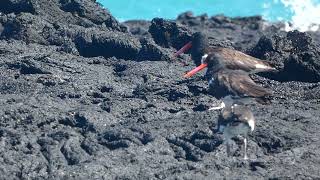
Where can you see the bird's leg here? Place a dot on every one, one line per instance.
(228, 143)
(245, 148)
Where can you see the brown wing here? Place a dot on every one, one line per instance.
(237, 60)
(239, 83)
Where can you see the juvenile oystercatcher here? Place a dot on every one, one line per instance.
(228, 69)
(235, 119)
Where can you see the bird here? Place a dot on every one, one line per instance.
(235, 119)
(237, 83)
(202, 53)
(227, 69)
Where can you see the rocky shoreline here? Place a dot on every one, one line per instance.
(84, 96)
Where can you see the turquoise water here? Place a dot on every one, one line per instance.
(303, 14)
(148, 9)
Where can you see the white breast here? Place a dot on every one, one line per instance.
(203, 58)
(251, 124)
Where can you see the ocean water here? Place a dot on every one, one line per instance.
(303, 15)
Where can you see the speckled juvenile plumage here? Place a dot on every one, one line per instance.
(235, 120)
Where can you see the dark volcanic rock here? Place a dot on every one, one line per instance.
(84, 13)
(77, 27)
(138, 27)
(295, 54)
(83, 96)
(169, 33)
(9, 6)
(91, 11)
(107, 44)
(242, 32)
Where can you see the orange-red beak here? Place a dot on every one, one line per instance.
(183, 49)
(195, 70)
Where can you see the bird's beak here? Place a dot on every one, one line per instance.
(183, 49)
(195, 70)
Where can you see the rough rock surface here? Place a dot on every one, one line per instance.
(84, 96)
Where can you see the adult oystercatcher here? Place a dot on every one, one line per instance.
(228, 69)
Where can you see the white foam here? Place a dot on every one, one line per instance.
(306, 15)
